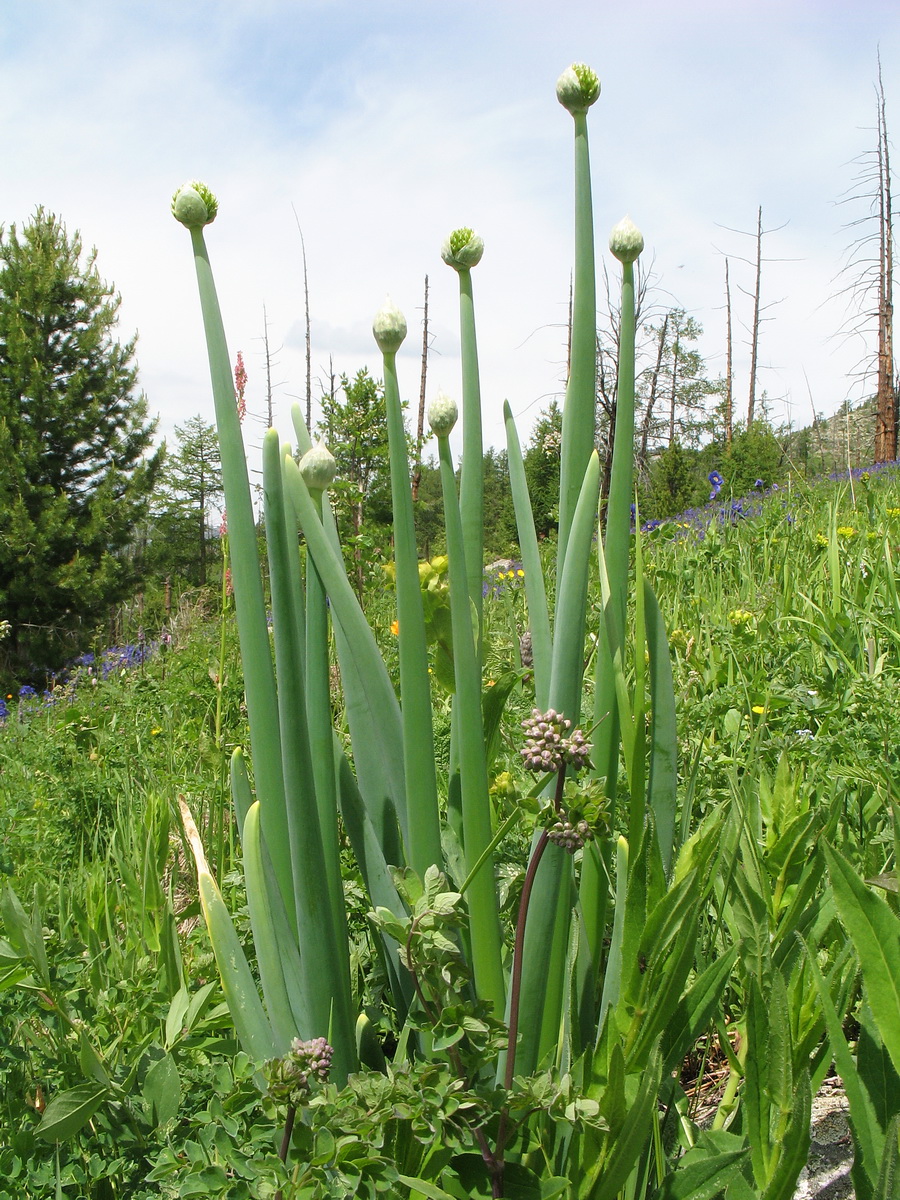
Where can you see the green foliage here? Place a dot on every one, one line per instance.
(542, 469)
(674, 483)
(73, 439)
(179, 540)
(354, 428)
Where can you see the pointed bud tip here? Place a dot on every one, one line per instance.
(577, 88)
(389, 327)
(194, 205)
(626, 241)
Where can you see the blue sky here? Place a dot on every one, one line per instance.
(386, 125)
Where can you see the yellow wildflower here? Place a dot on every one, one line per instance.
(395, 628)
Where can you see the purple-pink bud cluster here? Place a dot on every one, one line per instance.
(569, 835)
(549, 745)
(311, 1060)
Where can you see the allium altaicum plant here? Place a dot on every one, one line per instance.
(562, 1045)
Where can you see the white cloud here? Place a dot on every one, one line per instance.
(387, 129)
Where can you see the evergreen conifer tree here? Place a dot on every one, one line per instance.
(74, 435)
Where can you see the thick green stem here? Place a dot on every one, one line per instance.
(578, 413)
(471, 477)
(259, 677)
(423, 815)
(476, 812)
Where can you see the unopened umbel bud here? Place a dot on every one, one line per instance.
(462, 249)
(318, 466)
(442, 415)
(194, 205)
(626, 241)
(577, 88)
(389, 328)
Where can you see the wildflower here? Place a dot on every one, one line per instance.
(290, 1078)
(892, 512)
(717, 483)
(758, 709)
(548, 744)
(740, 616)
(821, 539)
(570, 836)
(845, 531)
(759, 483)
(155, 732)
(240, 383)
(395, 628)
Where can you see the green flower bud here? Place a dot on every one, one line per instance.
(626, 241)
(318, 467)
(577, 88)
(194, 205)
(389, 327)
(462, 249)
(442, 415)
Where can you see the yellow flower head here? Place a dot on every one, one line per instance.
(758, 709)
(395, 628)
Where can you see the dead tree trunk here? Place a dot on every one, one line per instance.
(886, 396)
(754, 336)
(729, 367)
(654, 387)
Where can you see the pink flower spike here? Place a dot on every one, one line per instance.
(240, 383)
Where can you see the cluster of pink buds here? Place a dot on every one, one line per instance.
(548, 744)
(311, 1060)
(570, 835)
(240, 383)
(290, 1078)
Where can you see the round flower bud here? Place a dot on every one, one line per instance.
(626, 241)
(462, 249)
(318, 466)
(389, 328)
(442, 415)
(194, 205)
(577, 88)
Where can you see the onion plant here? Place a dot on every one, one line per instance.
(568, 1036)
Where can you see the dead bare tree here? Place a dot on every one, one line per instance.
(729, 365)
(308, 334)
(868, 279)
(886, 395)
(758, 309)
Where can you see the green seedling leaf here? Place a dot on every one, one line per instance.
(876, 1070)
(92, 1064)
(162, 1091)
(875, 932)
(175, 1018)
(425, 1188)
(70, 1111)
(793, 1148)
(662, 784)
(868, 1137)
(493, 702)
(889, 1175)
(700, 1177)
